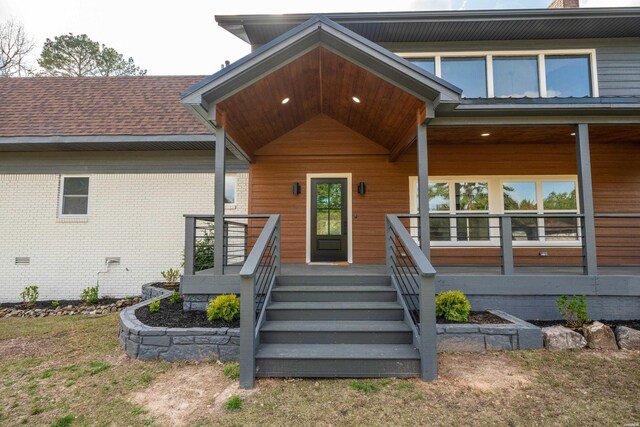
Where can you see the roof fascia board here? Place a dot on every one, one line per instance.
(533, 120)
(104, 139)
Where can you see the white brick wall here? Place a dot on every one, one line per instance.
(137, 217)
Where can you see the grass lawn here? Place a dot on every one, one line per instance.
(69, 371)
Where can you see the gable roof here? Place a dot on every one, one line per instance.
(139, 106)
(441, 26)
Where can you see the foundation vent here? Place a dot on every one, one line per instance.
(22, 260)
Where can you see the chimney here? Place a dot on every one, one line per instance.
(564, 4)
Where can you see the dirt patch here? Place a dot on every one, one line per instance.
(173, 316)
(634, 324)
(192, 391)
(484, 372)
(16, 348)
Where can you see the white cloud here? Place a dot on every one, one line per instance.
(609, 3)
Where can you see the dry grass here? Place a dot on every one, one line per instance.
(53, 368)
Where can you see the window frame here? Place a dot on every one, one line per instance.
(61, 196)
(496, 207)
(489, 55)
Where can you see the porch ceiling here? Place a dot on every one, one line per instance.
(320, 82)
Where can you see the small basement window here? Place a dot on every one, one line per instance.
(74, 200)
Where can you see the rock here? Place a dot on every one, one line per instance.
(560, 338)
(600, 336)
(628, 338)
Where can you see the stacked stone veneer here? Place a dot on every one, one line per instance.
(146, 342)
(517, 335)
(197, 302)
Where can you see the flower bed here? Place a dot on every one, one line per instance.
(66, 307)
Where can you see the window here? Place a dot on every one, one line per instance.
(230, 189)
(515, 77)
(515, 74)
(456, 205)
(74, 196)
(427, 64)
(567, 76)
(469, 74)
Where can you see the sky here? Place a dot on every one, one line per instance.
(181, 36)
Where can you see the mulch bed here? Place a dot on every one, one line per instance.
(477, 318)
(167, 285)
(172, 316)
(63, 303)
(635, 324)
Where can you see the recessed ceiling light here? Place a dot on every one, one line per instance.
(356, 99)
(284, 101)
(485, 134)
(573, 134)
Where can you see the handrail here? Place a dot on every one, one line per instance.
(257, 277)
(413, 276)
(506, 215)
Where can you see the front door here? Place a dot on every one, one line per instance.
(329, 234)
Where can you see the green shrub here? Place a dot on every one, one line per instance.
(224, 307)
(203, 256)
(453, 306)
(154, 307)
(171, 275)
(55, 304)
(90, 295)
(232, 370)
(574, 310)
(175, 297)
(364, 386)
(30, 295)
(234, 403)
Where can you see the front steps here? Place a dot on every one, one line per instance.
(335, 326)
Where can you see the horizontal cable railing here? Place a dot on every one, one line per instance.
(618, 240)
(414, 278)
(240, 233)
(257, 276)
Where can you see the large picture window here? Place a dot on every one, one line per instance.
(517, 74)
(457, 205)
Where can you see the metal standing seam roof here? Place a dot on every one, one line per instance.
(441, 26)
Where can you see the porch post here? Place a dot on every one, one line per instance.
(423, 189)
(585, 196)
(218, 196)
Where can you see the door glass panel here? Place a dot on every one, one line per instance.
(472, 196)
(335, 196)
(335, 223)
(322, 224)
(322, 196)
(559, 195)
(520, 196)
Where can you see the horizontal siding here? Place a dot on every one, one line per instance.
(618, 59)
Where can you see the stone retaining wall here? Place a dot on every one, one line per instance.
(149, 291)
(517, 335)
(145, 342)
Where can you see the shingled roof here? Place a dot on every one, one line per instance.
(79, 106)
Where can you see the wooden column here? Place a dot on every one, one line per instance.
(218, 196)
(423, 189)
(585, 196)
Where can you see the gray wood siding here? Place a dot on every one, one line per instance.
(114, 162)
(618, 60)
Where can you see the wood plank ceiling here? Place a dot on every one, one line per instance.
(320, 82)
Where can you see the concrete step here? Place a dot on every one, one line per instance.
(336, 332)
(335, 310)
(333, 280)
(337, 360)
(334, 293)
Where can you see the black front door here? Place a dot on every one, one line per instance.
(329, 219)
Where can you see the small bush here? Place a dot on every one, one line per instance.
(234, 403)
(55, 304)
(30, 295)
(175, 297)
(171, 275)
(224, 307)
(90, 295)
(453, 306)
(232, 370)
(154, 307)
(63, 422)
(574, 310)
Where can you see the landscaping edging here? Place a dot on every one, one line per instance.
(150, 291)
(145, 342)
(517, 335)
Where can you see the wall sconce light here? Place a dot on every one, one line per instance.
(296, 188)
(362, 188)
